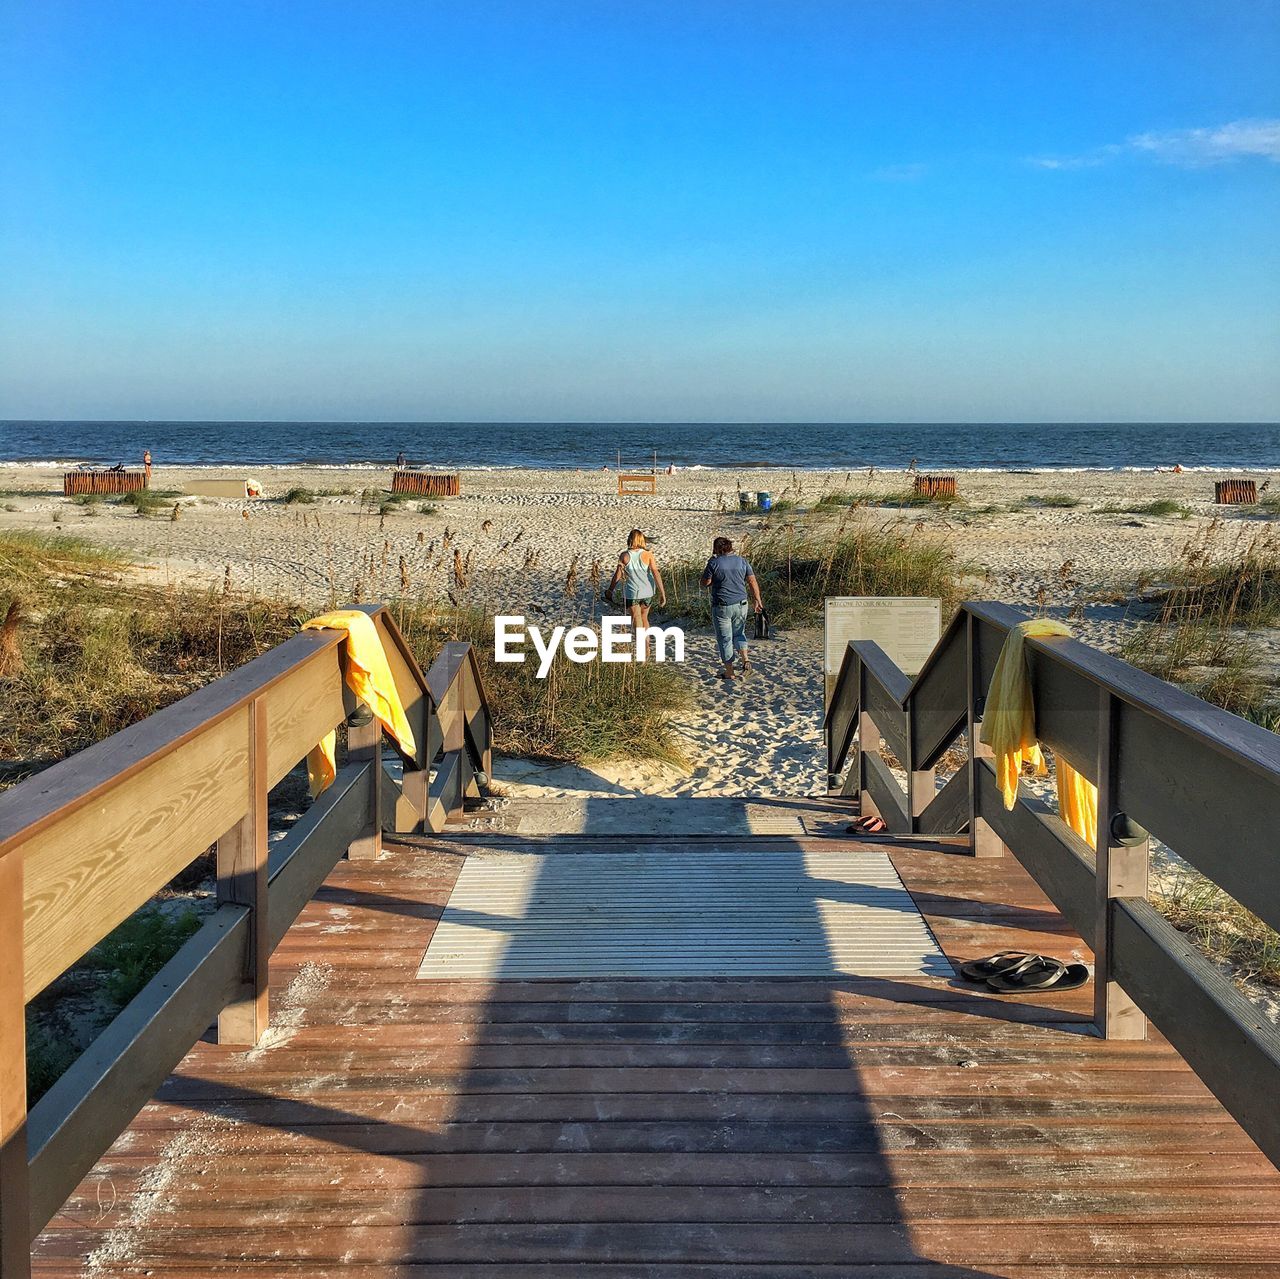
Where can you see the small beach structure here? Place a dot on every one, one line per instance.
(426, 483)
(108, 482)
(1235, 492)
(934, 486)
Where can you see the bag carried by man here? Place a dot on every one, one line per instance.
(761, 625)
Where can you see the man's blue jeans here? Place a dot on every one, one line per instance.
(730, 621)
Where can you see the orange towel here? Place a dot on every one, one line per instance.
(369, 677)
(1009, 728)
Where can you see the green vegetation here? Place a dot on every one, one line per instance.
(1222, 928)
(800, 565)
(300, 495)
(84, 654)
(845, 498)
(579, 713)
(108, 977)
(131, 954)
(1202, 635)
(149, 501)
(1063, 501)
(1165, 506)
(841, 500)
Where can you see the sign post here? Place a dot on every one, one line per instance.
(906, 627)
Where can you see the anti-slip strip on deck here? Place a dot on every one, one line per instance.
(789, 913)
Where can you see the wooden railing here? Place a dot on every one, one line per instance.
(1205, 782)
(86, 843)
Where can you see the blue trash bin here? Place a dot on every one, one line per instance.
(765, 500)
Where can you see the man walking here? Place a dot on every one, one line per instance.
(731, 579)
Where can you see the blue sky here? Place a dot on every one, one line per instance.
(894, 209)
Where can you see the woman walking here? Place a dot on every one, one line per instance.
(638, 571)
(731, 580)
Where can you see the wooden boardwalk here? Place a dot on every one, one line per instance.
(648, 1129)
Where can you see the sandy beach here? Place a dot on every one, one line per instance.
(516, 534)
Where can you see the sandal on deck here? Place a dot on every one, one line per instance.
(1006, 961)
(1041, 974)
(866, 826)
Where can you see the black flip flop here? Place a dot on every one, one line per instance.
(1043, 975)
(1005, 961)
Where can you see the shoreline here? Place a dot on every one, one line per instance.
(1224, 470)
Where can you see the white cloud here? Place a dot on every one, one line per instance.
(1187, 148)
(1195, 147)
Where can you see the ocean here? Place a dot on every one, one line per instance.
(1070, 446)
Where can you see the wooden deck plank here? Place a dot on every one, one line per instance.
(655, 1128)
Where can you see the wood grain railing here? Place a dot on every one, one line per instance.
(89, 841)
(1205, 782)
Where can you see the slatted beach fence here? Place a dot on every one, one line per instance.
(934, 486)
(1235, 492)
(1205, 782)
(104, 483)
(426, 484)
(90, 840)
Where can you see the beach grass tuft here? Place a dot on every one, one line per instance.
(799, 564)
(1222, 928)
(1162, 507)
(580, 713)
(1202, 633)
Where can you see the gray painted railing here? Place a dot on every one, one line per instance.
(90, 840)
(1205, 782)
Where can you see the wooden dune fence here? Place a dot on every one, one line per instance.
(934, 486)
(104, 483)
(1235, 492)
(1204, 781)
(87, 842)
(426, 484)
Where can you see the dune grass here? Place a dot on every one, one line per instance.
(844, 498)
(1202, 632)
(799, 564)
(88, 653)
(92, 652)
(1057, 501)
(1162, 507)
(580, 713)
(1222, 928)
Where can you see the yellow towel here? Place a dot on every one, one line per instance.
(1009, 728)
(369, 677)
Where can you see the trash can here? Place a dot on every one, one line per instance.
(746, 502)
(765, 500)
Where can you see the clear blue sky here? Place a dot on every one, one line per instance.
(712, 209)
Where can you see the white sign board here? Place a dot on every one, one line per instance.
(906, 627)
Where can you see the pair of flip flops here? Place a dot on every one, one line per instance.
(1016, 972)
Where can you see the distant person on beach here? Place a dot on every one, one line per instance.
(731, 579)
(400, 461)
(638, 571)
